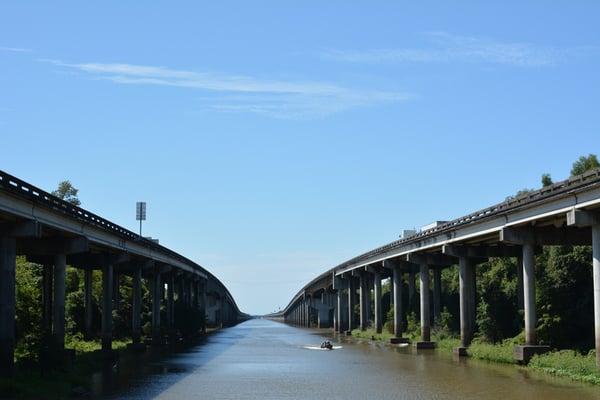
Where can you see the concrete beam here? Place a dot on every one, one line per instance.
(21, 229)
(431, 259)
(55, 245)
(545, 236)
(481, 252)
(582, 218)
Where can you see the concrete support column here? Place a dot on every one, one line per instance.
(171, 302)
(136, 306)
(350, 304)
(87, 300)
(156, 300)
(377, 298)
(425, 318)
(437, 295)
(398, 309)
(363, 299)
(368, 286)
(107, 291)
(8, 262)
(203, 306)
(466, 307)
(529, 293)
(188, 294)
(195, 291)
(58, 314)
(307, 310)
(411, 291)
(596, 278)
(340, 325)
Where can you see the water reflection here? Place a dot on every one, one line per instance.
(261, 359)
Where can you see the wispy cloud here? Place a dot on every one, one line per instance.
(15, 49)
(240, 93)
(442, 47)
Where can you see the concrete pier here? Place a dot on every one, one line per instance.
(466, 288)
(171, 303)
(350, 305)
(596, 278)
(58, 314)
(524, 353)
(398, 309)
(529, 294)
(107, 290)
(8, 262)
(340, 325)
(377, 299)
(425, 342)
(363, 299)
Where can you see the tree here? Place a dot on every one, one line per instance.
(585, 164)
(546, 180)
(67, 192)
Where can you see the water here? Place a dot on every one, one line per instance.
(262, 359)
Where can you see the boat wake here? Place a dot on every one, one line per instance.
(319, 348)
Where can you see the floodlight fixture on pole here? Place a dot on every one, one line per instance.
(140, 213)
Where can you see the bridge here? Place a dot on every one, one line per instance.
(565, 213)
(55, 233)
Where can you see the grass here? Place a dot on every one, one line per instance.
(565, 363)
(87, 346)
(570, 364)
(372, 335)
(496, 352)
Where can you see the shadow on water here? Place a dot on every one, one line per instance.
(147, 374)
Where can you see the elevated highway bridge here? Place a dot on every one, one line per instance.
(565, 213)
(55, 233)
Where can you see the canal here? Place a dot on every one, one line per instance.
(262, 359)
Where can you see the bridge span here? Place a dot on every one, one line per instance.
(55, 233)
(565, 213)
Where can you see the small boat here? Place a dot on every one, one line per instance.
(327, 345)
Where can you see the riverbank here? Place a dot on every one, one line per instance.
(564, 363)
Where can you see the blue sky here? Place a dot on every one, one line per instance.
(274, 140)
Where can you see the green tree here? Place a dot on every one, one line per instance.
(546, 180)
(584, 164)
(67, 192)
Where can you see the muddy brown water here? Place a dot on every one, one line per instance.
(262, 359)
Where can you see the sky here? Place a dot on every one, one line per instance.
(275, 140)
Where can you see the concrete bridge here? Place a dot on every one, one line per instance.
(566, 213)
(55, 233)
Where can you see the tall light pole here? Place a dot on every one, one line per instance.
(140, 213)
